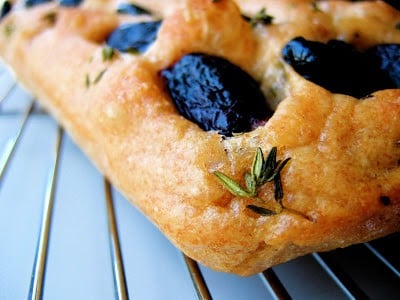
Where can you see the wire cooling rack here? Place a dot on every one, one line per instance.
(67, 234)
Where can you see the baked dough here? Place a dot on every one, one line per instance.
(342, 183)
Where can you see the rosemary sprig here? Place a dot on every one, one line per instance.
(262, 171)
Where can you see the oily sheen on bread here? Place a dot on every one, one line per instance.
(342, 183)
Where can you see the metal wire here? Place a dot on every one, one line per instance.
(118, 266)
(197, 278)
(383, 259)
(346, 284)
(13, 142)
(275, 286)
(9, 90)
(277, 289)
(39, 266)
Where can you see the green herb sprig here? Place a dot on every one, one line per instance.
(262, 171)
(98, 77)
(50, 17)
(261, 17)
(107, 53)
(9, 29)
(315, 6)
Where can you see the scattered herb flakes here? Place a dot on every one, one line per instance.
(385, 200)
(87, 81)
(315, 6)
(107, 53)
(99, 76)
(261, 172)
(9, 29)
(133, 51)
(50, 17)
(261, 17)
(261, 210)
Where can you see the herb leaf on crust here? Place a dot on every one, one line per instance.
(262, 171)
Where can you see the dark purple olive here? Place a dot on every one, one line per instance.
(388, 58)
(5, 8)
(135, 37)
(70, 3)
(30, 3)
(216, 94)
(131, 9)
(336, 66)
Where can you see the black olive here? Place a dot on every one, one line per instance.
(70, 3)
(132, 9)
(30, 3)
(216, 94)
(5, 8)
(388, 57)
(135, 37)
(336, 66)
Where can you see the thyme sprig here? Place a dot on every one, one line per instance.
(107, 53)
(262, 171)
(50, 17)
(261, 17)
(9, 29)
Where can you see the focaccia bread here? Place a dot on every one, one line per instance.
(314, 164)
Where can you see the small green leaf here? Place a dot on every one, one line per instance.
(261, 17)
(278, 189)
(87, 81)
(258, 163)
(9, 29)
(270, 163)
(99, 76)
(107, 53)
(50, 17)
(278, 169)
(251, 184)
(315, 7)
(261, 210)
(261, 172)
(231, 185)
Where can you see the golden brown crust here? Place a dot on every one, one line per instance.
(344, 152)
